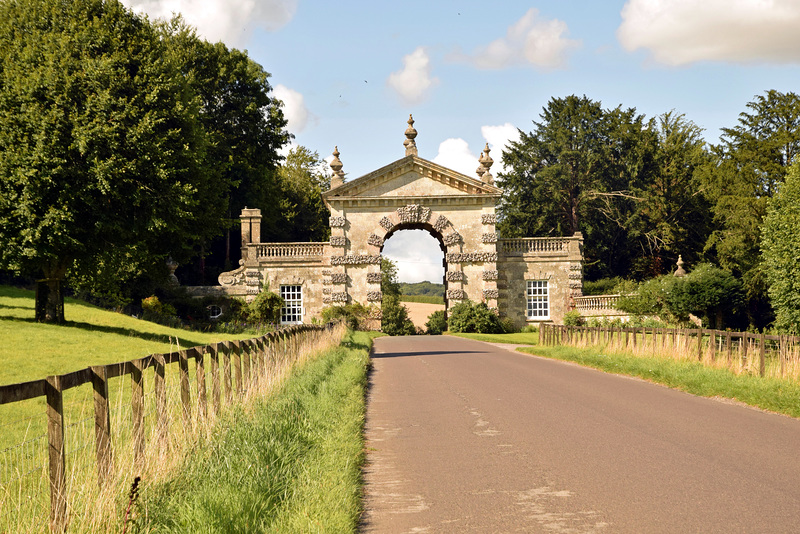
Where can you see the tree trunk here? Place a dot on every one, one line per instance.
(50, 295)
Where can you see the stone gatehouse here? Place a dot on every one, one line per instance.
(529, 280)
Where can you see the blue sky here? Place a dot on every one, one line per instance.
(349, 73)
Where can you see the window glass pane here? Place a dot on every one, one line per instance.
(292, 311)
(538, 306)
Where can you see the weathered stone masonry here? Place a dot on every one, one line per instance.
(412, 193)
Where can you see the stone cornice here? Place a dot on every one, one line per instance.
(433, 200)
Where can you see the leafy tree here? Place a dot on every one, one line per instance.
(245, 127)
(395, 321)
(779, 251)
(749, 166)
(303, 215)
(573, 173)
(672, 214)
(102, 157)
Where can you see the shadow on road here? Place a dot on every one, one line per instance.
(424, 353)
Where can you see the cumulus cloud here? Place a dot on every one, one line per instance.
(294, 108)
(230, 21)
(680, 32)
(455, 153)
(417, 256)
(413, 81)
(499, 138)
(532, 40)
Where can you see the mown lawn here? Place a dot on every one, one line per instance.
(290, 463)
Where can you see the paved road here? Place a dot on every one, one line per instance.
(467, 437)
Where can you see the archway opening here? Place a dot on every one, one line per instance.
(419, 256)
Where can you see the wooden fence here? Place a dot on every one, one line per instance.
(248, 359)
(741, 351)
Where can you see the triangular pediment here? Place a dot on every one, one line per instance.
(414, 177)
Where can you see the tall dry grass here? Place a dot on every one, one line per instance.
(25, 501)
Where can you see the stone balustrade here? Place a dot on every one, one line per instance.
(267, 251)
(534, 245)
(596, 302)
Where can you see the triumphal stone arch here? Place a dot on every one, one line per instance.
(528, 280)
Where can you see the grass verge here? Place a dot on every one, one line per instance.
(779, 395)
(426, 299)
(772, 394)
(287, 463)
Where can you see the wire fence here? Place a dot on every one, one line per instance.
(105, 424)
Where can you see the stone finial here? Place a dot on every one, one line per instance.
(679, 272)
(411, 134)
(336, 164)
(486, 163)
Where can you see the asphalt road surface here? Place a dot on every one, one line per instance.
(463, 436)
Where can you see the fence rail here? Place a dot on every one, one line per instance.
(758, 354)
(232, 367)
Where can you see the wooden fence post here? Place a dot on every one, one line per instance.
(246, 356)
(102, 424)
(728, 347)
(744, 341)
(160, 392)
(199, 359)
(700, 344)
(237, 366)
(762, 365)
(213, 351)
(226, 371)
(137, 409)
(712, 342)
(186, 394)
(57, 456)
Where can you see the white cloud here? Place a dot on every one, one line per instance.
(455, 154)
(679, 32)
(417, 255)
(531, 40)
(499, 138)
(230, 21)
(413, 81)
(294, 108)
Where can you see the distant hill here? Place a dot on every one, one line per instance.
(422, 289)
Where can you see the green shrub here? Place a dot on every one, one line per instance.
(573, 318)
(353, 314)
(469, 317)
(437, 323)
(265, 308)
(395, 321)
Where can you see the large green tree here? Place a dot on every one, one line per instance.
(303, 215)
(245, 127)
(672, 215)
(103, 159)
(779, 248)
(749, 166)
(573, 173)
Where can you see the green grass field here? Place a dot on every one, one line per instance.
(426, 299)
(291, 463)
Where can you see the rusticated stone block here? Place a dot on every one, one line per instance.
(491, 275)
(471, 257)
(489, 238)
(455, 276)
(488, 218)
(374, 296)
(386, 223)
(451, 239)
(441, 223)
(337, 222)
(338, 240)
(456, 294)
(357, 259)
(375, 240)
(374, 278)
(413, 213)
(338, 278)
(490, 294)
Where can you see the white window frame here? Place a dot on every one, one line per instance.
(292, 310)
(537, 300)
